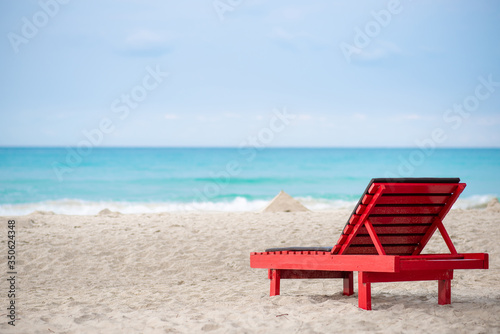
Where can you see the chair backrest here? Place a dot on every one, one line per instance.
(399, 216)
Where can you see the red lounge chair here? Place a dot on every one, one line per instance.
(382, 241)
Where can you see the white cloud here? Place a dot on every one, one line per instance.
(304, 117)
(296, 39)
(232, 115)
(280, 33)
(171, 116)
(359, 117)
(490, 120)
(292, 13)
(377, 50)
(412, 117)
(148, 42)
(142, 38)
(208, 118)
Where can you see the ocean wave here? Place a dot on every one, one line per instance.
(473, 202)
(323, 204)
(80, 207)
(238, 204)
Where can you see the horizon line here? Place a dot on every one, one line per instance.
(261, 148)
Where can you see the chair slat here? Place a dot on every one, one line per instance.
(388, 239)
(360, 209)
(401, 219)
(353, 219)
(396, 229)
(414, 188)
(413, 199)
(342, 239)
(366, 199)
(348, 228)
(406, 210)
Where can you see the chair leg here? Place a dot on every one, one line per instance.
(275, 282)
(364, 292)
(348, 284)
(444, 292)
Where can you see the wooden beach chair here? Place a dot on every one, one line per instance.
(383, 241)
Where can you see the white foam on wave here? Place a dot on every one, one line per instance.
(80, 207)
(314, 204)
(323, 204)
(473, 202)
(239, 204)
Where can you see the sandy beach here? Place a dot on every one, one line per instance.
(189, 272)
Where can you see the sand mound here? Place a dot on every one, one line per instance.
(284, 203)
(107, 212)
(493, 205)
(25, 222)
(42, 213)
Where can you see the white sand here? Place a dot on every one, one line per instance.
(161, 273)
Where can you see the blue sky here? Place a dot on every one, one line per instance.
(364, 73)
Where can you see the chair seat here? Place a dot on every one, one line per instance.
(300, 249)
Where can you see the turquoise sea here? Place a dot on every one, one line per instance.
(138, 180)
